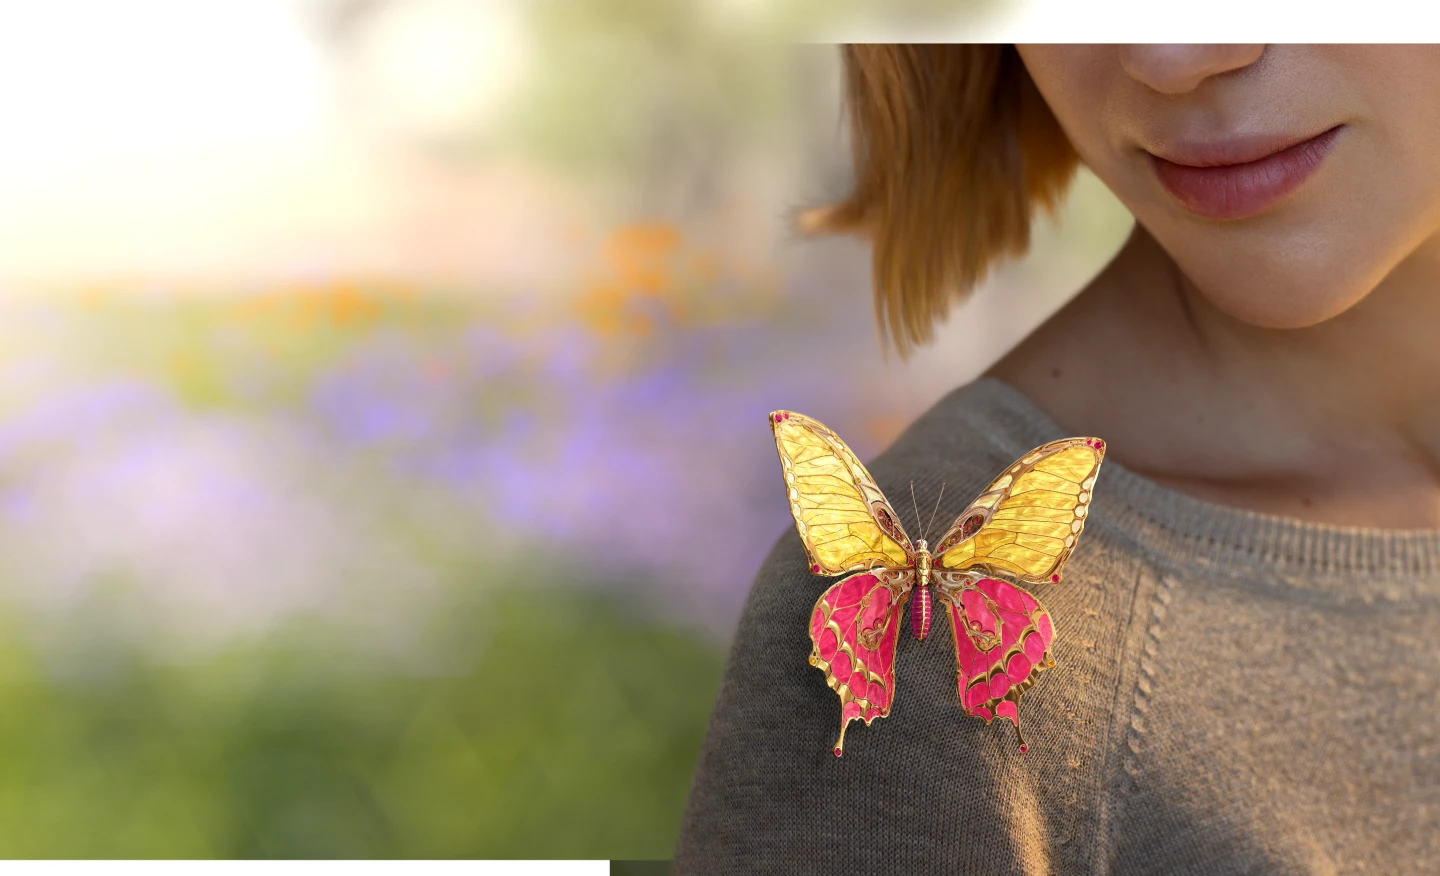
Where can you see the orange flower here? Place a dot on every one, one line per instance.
(639, 256)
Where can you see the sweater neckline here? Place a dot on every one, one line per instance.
(1185, 533)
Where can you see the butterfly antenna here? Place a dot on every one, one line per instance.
(916, 505)
(937, 508)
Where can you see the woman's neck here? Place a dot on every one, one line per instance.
(1337, 423)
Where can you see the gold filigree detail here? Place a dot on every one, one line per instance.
(1032, 515)
(842, 517)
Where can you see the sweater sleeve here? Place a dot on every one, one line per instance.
(925, 790)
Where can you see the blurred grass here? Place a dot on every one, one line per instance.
(547, 713)
(568, 731)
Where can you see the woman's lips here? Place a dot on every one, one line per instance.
(1235, 179)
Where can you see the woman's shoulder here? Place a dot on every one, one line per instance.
(926, 788)
(979, 426)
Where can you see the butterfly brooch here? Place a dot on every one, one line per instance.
(1020, 530)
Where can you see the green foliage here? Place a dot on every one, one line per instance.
(627, 83)
(641, 86)
(564, 728)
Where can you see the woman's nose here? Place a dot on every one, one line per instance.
(1176, 69)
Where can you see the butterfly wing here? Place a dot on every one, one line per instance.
(1026, 523)
(853, 630)
(1002, 636)
(843, 519)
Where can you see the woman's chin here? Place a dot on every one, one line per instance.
(1280, 299)
(1268, 310)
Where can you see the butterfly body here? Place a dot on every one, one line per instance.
(921, 610)
(1020, 530)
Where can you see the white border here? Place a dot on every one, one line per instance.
(1129, 21)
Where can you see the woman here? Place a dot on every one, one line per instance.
(1247, 672)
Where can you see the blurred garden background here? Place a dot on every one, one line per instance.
(383, 462)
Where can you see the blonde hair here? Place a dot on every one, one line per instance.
(954, 147)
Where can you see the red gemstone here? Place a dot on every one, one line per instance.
(1054, 578)
(1024, 748)
(1099, 444)
(815, 568)
(837, 752)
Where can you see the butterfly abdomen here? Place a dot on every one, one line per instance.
(920, 613)
(921, 608)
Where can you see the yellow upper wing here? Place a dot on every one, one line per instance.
(1028, 520)
(841, 515)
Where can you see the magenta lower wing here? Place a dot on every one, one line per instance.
(1002, 642)
(854, 628)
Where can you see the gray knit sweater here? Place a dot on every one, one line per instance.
(1233, 693)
